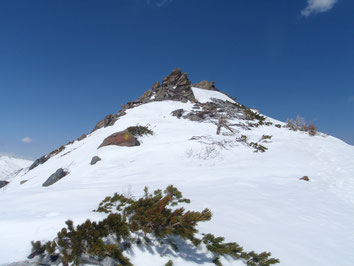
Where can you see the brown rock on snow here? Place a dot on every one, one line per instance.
(305, 178)
(83, 136)
(207, 85)
(122, 138)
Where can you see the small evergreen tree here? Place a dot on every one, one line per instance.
(153, 217)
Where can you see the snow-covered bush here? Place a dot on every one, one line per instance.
(153, 218)
(205, 153)
(266, 138)
(301, 125)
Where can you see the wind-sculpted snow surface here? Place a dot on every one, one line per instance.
(204, 96)
(256, 199)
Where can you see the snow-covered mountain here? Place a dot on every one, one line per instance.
(10, 165)
(257, 198)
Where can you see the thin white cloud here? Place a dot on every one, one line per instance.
(351, 99)
(318, 6)
(163, 3)
(159, 3)
(26, 140)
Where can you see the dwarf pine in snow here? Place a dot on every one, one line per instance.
(153, 218)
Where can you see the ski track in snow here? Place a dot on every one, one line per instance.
(257, 199)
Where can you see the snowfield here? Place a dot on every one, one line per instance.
(257, 199)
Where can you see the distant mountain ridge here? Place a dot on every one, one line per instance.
(9, 165)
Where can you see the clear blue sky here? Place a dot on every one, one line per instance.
(65, 64)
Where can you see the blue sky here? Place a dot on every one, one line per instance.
(65, 64)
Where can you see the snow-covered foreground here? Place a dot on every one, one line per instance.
(9, 165)
(257, 199)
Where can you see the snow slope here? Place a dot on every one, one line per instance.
(204, 96)
(9, 165)
(257, 199)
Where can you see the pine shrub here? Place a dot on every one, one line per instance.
(139, 131)
(169, 263)
(251, 115)
(258, 147)
(153, 218)
(242, 138)
(217, 246)
(266, 137)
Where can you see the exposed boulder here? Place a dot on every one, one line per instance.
(207, 85)
(178, 113)
(108, 120)
(122, 138)
(95, 159)
(59, 174)
(23, 181)
(83, 136)
(55, 152)
(199, 116)
(3, 183)
(39, 161)
(305, 178)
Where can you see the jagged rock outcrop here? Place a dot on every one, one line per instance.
(95, 159)
(59, 174)
(176, 86)
(207, 85)
(122, 138)
(3, 183)
(156, 85)
(109, 120)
